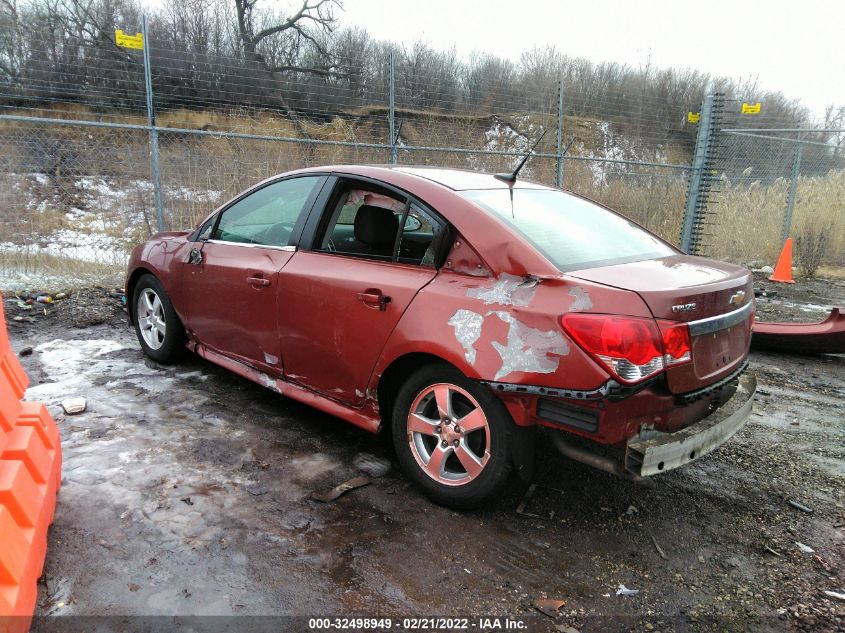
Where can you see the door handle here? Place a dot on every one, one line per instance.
(258, 281)
(374, 298)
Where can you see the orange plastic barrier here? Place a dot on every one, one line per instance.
(783, 269)
(30, 474)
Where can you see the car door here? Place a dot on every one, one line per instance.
(230, 282)
(344, 295)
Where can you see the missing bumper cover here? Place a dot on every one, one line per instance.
(670, 450)
(611, 390)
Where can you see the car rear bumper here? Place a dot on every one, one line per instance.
(660, 452)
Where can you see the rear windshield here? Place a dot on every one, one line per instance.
(571, 232)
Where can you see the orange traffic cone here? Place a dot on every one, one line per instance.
(783, 270)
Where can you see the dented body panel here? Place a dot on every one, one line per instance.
(324, 328)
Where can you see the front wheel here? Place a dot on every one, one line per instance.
(157, 325)
(451, 437)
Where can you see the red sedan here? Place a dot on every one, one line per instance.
(460, 312)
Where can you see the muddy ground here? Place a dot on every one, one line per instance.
(186, 491)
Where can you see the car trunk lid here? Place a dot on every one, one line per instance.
(715, 298)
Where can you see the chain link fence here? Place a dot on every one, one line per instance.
(94, 158)
(764, 184)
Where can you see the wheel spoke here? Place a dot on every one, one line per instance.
(158, 325)
(473, 421)
(420, 424)
(437, 461)
(156, 307)
(468, 460)
(443, 397)
(148, 303)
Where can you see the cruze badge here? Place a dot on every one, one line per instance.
(737, 299)
(684, 307)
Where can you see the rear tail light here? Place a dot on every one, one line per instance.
(631, 348)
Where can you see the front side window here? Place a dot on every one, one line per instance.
(266, 217)
(571, 232)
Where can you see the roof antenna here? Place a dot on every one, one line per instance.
(511, 178)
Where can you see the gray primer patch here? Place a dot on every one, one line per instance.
(509, 290)
(529, 349)
(582, 299)
(270, 359)
(467, 326)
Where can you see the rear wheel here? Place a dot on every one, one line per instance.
(157, 326)
(451, 437)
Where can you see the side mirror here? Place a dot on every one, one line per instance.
(412, 224)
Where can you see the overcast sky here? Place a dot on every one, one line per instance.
(795, 46)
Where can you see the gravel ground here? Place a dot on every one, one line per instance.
(806, 300)
(187, 491)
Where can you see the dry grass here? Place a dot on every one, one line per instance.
(749, 219)
(201, 172)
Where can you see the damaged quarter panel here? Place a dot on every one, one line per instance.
(506, 329)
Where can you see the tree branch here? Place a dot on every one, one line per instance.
(323, 72)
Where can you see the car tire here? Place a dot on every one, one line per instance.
(158, 327)
(471, 464)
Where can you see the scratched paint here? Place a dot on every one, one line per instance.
(528, 349)
(269, 382)
(509, 290)
(582, 299)
(270, 359)
(467, 325)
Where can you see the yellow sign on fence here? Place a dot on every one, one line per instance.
(693, 117)
(751, 108)
(128, 41)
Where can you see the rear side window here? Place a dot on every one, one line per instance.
(571, 232)
(266, 217)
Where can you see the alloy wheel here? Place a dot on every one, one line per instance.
(151, 319)
(449, 434)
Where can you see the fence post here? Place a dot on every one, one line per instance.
(693, 215)
(151, 122)
(793, 186)
(559, 175)
(392, 109)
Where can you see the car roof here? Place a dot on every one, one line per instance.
(454, 179)
(463, 179)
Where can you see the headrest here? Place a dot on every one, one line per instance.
(376, 226)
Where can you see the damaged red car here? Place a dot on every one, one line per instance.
(462, 313)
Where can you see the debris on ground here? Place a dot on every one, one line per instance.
(257, 490)
(526, 498)
(834, 594)
(631, 510)
(74, 406)
(659, 549)
(805, 548)
(549, 606)
(799, 506)
(624, 591)
(341, 489)
(25, 351)
(771, 551)
(371, 465)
